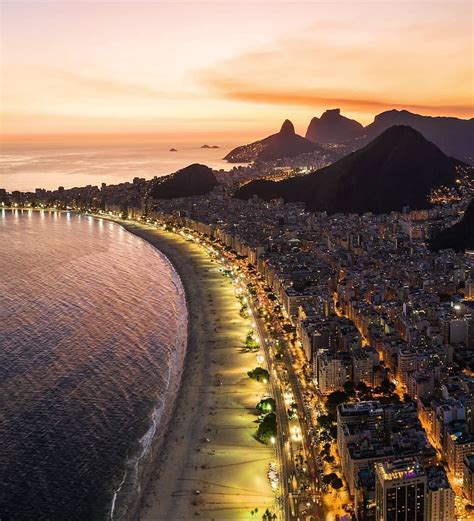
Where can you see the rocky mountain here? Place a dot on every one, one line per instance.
(193, 180)
(398, 168)
(460, 236)
(285, 143)
(454, 136)
(331, 127)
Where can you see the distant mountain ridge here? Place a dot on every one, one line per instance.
(460, 236)
(332, 127)
(454, 136)
(398, 168)
(191, 181)
(285, 143)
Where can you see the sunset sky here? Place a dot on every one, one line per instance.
(228, 69)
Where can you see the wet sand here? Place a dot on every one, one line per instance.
(209, 445)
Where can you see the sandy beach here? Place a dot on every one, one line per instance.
(209, 467)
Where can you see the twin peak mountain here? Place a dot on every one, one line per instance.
(396, 161)
(454, 136)
(331, 127)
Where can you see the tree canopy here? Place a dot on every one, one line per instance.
(267, 428)
(328, 478)
(260, 374)
(266, 405)
(336, 398)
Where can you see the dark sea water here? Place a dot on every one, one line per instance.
(92, 330)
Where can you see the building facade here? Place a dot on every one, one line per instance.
(400, 491)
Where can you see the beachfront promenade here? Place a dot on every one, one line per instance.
(298, 497)
(210, 466)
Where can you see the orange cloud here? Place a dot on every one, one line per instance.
(248, 93)
(364, 67)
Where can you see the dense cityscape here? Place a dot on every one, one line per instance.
(366, 337)
(237, 262)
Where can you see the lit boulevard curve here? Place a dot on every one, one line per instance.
(293, 499)
(282, 442)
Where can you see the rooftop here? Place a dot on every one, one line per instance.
(401, 469)
(360, 408)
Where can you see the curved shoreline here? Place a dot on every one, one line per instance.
(184, 461)
(126, 505)
(206, 439)
(131, 511)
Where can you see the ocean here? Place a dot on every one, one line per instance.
(92, 337)
(26, 166)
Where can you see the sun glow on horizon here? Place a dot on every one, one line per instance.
(159, 70)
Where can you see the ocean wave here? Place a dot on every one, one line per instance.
(130, 486)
